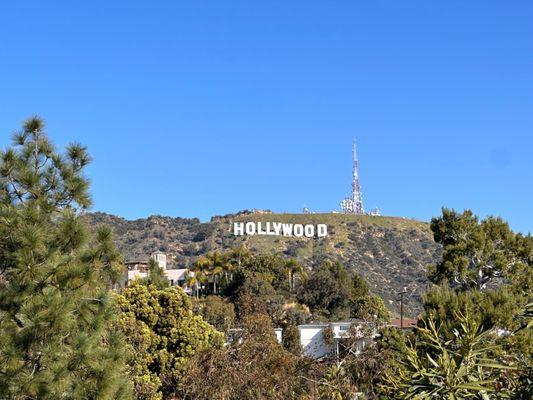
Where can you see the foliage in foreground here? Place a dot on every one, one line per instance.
(56, 312)
(461, 368)
(163, 333)
(253, 367)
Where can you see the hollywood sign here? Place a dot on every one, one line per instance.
(279, 229)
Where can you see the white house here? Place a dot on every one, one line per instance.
(139, 269)
(135, 269)
(177, 277)
(315, 343)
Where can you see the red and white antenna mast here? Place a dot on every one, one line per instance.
(353, 204)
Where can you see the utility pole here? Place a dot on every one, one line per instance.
(404, 291)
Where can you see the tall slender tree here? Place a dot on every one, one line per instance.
(56, 313)
(293, 268)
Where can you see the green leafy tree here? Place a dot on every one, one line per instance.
(495, 308)
(524, 378)
(295, 314)
(56, 315)
(236, 257)
(328, 291)
(369, 308)
(487, 269)
(195, 280)
(369, 369)
(271, 268)
(217, 311)
(336, 384)
(475, 253)
(257, 296)
(359, 286)
(163, 333)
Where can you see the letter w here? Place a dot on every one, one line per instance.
(287, 229)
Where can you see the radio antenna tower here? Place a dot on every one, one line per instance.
(353, 204)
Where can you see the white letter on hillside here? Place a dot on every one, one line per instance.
(322, 230)
(287, 229)
(298, 230)
(238, 228)
(309, 231)
(250, 228)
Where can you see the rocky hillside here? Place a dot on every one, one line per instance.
(391, 253)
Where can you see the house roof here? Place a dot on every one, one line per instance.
(333, 323)
(407, 322)
(136, 262)
(176, 274)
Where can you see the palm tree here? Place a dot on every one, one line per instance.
(292, 268)
(238, 256)
(200, 274)
(218, 264)
(192, 281)
(236, 259)
(212, 265)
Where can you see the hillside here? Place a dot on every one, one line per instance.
(390, 252)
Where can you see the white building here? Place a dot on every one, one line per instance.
(316, 344)
(160, 259)
(177, 277)
(139, 269)
(135, 269)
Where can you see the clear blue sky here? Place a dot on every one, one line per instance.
(201, 108)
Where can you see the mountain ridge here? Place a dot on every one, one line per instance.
(389, 252)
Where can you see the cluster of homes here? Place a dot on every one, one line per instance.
(316, 340)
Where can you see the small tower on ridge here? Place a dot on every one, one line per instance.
(353, 204)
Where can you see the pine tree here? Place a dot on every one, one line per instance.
(55, 305)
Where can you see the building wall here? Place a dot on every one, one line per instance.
(161, 259)
(129, 276)
(312, 341)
